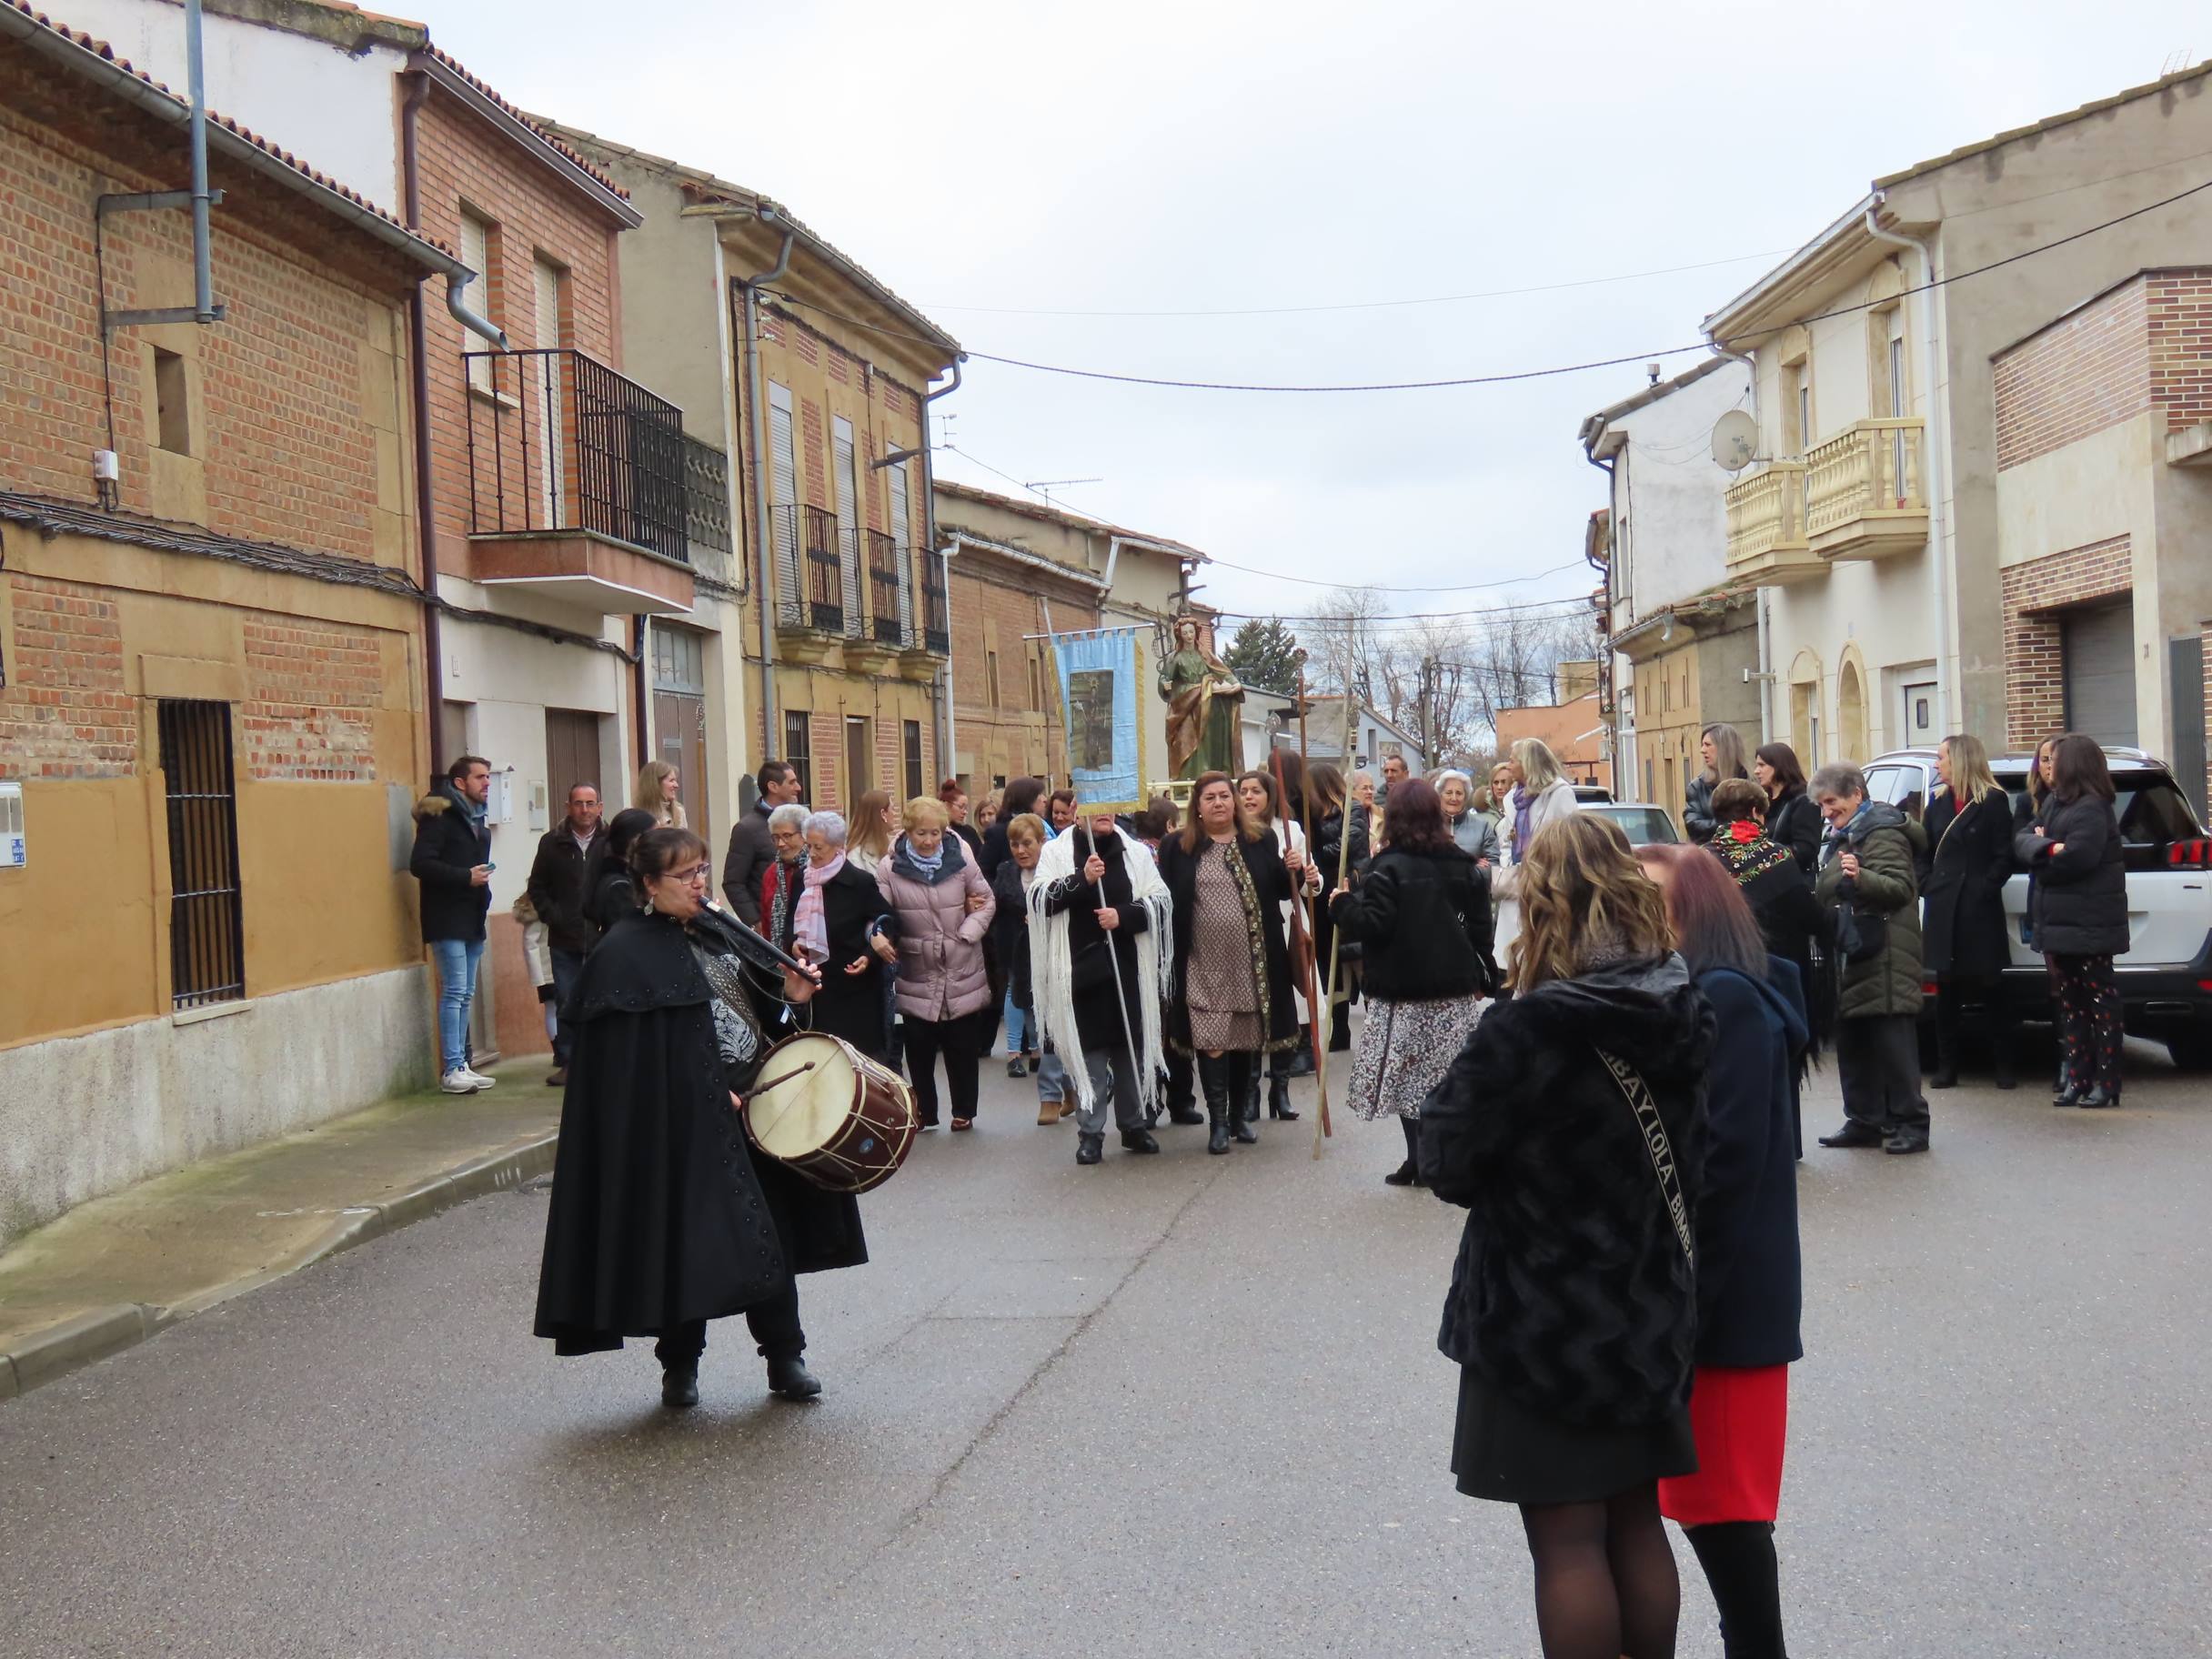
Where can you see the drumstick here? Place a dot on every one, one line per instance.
(762, 1088)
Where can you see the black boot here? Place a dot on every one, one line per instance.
(789, 1378)
(1244, 1104)
(1340, 1030)
(1301, 1057)
(1213, 1078)
(679, 1386)
(1278, 1100)
(1088, 1148)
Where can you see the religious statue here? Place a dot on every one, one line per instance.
(1205, 708)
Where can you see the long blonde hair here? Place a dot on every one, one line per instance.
(1539, 766)
(871, 828)
(667, 814)
(1583, 898)
(1727, 753)
(1971, 779)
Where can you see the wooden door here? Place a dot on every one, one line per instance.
(572, 757)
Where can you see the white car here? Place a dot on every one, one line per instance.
(2165, 978)
(1644, 824)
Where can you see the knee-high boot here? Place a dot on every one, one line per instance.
(1244, 1099)
(1213, 1080)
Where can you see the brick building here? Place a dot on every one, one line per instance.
(211, 714)
(2104, 454)
(1573, 729)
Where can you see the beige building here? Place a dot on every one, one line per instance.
(1872, 523)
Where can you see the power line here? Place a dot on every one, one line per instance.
(1532, 374)
(1315, 581)
(1373, 305)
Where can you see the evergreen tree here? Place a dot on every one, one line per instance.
(1262, 655)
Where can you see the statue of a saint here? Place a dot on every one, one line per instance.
(1205, 708)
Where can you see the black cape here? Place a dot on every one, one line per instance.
(661, 1214)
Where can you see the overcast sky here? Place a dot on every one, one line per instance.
(1206, 155)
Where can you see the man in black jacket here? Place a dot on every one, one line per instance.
(751, 848)
(557, 893)
(452, 859)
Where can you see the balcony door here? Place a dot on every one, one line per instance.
(548, 386)
(679, 718)
(903, 538)
(846, 465)
(783, 498)
(859, 759)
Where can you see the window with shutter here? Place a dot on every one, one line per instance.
(903, 538)
(783, 499)
(847, 519)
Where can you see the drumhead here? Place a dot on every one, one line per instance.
(799, 1111)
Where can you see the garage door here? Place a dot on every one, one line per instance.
(2099, 647)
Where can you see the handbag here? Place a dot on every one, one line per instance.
(1638, 1095)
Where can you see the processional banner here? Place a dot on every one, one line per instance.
(1101, 671)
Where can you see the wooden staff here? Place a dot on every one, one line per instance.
(1321, 1126)
(1300, 925)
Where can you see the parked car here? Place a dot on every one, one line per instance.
(1642, 823)
(2165, 978)
(1584, 793)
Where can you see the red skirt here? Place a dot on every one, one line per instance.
(1741, 1419)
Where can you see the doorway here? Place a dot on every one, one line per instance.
(679, 719)
(572, 757)
(859, 759)
(1920, 715)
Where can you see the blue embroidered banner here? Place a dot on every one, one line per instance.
(1100, 673)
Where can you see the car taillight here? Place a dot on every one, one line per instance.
(2205, 986)
(1927, 988)
(2189, 855)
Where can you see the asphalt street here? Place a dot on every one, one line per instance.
(1167, 1406)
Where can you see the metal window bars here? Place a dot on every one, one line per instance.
(825, 592)
(557, 441)
(207, 915)
(935, 619)
(707, 541)
(885, 610)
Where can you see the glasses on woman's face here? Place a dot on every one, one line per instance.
(696, 876)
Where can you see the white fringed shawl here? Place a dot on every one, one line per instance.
(1052, 962)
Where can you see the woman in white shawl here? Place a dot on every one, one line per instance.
(1098, 937)
(1541, 795)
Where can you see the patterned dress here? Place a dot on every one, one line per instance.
(1219, 984)
(1405, 1049)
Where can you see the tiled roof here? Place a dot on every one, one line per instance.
(2049, 123)
(536, 126)
(105, 54)
(1059, 515)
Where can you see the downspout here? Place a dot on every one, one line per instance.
(940, 690)
(1766, 644)
(755, 442)
(203, 255)
(1938, 444)
(1593, 431)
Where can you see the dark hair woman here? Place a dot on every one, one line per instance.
(1792, 820)
(1422, 919)
(1334, 811)
(1968, 822)
(1572, 1127)
(1021, 795)
(1720, 753)
(1750, 1278)
(661, 1218)
(609, 892)
(1780, 898)
(1228, 878)
(2079, 915)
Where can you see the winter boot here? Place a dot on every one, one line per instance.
(1213, 1078)
(1244, 1102)
(1279, 1099)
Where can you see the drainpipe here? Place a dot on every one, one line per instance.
(1594, 429)
(941, 691)
(756, 441)
(1766, 638)
(1939, 445)
(203, 271)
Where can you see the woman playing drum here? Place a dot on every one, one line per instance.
(661, 1218)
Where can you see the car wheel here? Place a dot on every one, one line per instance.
(2192, 1051)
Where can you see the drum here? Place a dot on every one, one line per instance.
(830, 1113)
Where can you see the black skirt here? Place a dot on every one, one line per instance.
(1504, 1451)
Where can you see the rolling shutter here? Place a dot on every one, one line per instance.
(2097, 645)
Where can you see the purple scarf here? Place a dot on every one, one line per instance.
(1524, 808)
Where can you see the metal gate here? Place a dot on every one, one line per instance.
(206, 921)
(2097, 645)
(2185, 666)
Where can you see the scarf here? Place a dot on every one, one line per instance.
(1524, 810)
(929, 866)
(1053, 961)
(811, 940)
(1746, 853)
(776, 898)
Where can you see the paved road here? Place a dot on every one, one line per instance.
(1166, 1406)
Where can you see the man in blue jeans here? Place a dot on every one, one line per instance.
(452, 861)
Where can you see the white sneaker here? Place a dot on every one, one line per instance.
(477, 1079)
(462, 1082)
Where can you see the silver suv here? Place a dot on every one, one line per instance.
(2165, 978)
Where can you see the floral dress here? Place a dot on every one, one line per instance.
(1220, 987)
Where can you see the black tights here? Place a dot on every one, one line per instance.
(1605, 1583)
(1738, 1557)
(1412, 1139)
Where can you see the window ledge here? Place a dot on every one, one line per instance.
(212, 1011)
(484, 394)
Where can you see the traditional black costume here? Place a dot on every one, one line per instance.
(661, 1217)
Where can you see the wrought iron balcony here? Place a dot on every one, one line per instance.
(936, 618)
(815, 597)
(1767, 539)
(577, 482)
(1865, 495)
(890, 612)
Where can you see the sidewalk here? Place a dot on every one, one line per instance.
(114, 1271)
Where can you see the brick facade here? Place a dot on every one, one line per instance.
(2145, 345)
(2034, 593)
(64, 711)
(994, 602)
(309, 690)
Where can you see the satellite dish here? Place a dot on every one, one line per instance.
(1736, 440)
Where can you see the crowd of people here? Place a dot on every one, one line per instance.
(1597, 1049)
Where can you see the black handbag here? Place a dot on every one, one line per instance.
(1860, 935)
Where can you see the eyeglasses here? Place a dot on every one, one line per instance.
(697, 873)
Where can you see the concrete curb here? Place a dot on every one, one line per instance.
(58, 1350)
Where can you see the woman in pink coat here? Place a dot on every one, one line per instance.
(940, 910)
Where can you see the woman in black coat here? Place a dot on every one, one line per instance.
(1780, 895)
(850, 1003)
(661, 1217)
(1021, 796)
(1572, 1127)
(1228, 880)
(610, 894)
(1422, 919)
(1963, 943)
(1792, 820)
(2079, 916)
(1326, 789)
(1750, 1278)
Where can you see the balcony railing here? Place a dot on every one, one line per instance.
(706, 534)
(559, 442)
(935, 619)
(1766, 523)
(852, 566)
(825, 590)
(1863, 490)
(887, 606)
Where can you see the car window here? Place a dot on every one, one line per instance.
(1881, 782)
(1643, 826)
(2153, 811)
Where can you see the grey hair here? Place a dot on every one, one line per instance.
(788, 815)
(1539, 766)
(1448, 774)
(1839, 778)
(1727, 752)
(830, 825)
